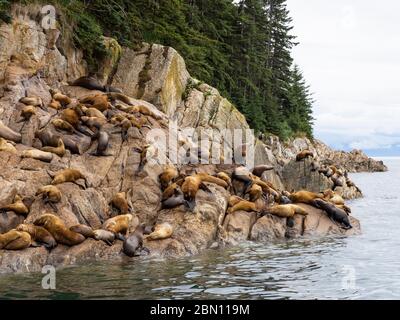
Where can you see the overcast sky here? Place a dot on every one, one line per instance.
(349, 52)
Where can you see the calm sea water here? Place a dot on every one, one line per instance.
(359, 267)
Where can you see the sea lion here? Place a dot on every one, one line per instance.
(174, 201)
(83, 229)
(172, 189)
(68, 175)
(133, 244)
(15, 240)
(255, 192)
(94, 122)
(27, 112)
(63, 125)
(244, 205)
(167, 176)
(190, 186)
(39, 235)
(205, 177)
(104, 235)
(161, 231)
(20, 205)
(120, 202)
(58, 230)
(333, 212)
(50, 194)
(72, 144)
(102, 143)
(97, 101)
(63, 99)
(9, 134)
(304, 196)
(119, 224)
(259, 170)
(304, 154)
(91, 83)
(144, 111)
(71, 116)
(37, 154)
(234, 200)
(92, 112)
(54, 104)
(333, 197)
(7, 146)
(114, 96)
(47, 137)
(59, 150)
(125, 125)
(284, 210)
(117, 118)
(32, 101)
(224, 176)
(241, 180)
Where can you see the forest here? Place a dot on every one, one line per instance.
(241, 47)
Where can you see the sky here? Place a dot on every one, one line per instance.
(349, 52)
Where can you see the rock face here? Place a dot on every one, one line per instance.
(33, 61)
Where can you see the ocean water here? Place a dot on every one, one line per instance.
(358, 267)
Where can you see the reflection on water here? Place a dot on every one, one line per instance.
(360, 267)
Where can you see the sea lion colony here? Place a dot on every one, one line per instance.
(87, 116)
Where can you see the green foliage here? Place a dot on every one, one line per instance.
(5, 6)
(242, 47)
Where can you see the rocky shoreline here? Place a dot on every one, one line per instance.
(34, 62)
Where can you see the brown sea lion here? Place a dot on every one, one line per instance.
(92, 112)
(133, 244)
(172, 189)
(15, 240)
(83, 229)
(304, 154)
(284, 210)
(68, 175)
(7, 146)
(54, 104)
(9, 134)
(59, 150)
(27, 112)
(169, 174)
(61, 124)
(32, 101)
(244, 205)
(39, 235)
(97, 101)
(190, 186)
(119, 224)
(58, 230)
(224, 176)
(20, 205)
(205, 177)
(120, 202)
(304, 196)
(62, 98)
(71, 116)
(161, 231)
(50, 194)
(255, 192)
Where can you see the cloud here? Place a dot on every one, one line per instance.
(349, 53)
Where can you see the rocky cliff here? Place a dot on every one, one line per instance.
(34, 61)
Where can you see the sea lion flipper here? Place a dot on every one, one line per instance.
(120, 236)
